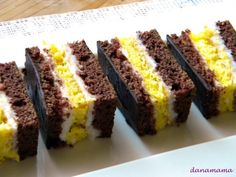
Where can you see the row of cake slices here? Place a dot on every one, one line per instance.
(209, 57)
(156, 83)
(66, 95)
(72, 94)
(75, 94)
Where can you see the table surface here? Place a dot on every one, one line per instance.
(15, 9)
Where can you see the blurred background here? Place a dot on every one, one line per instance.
(15, 9)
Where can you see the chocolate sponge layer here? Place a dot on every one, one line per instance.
(12, 84)
(228, 34)
(46, 96)
(136, 104)
(171, 73)
(97, 84)
(207, 93)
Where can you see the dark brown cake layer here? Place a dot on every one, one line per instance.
(12, 84)
(228, 34)
(207, 95)
(97, 83)
(136, 103)
(46, 95)
(171, 73)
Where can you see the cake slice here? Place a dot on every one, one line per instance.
(73, 97)
(18, 119)
(209, 58)
(153, 89)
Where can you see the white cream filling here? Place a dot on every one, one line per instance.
(219, 40)
(72, 65)
(66, 127)
(67, 120)
(93, 132)
(153, 65)
(221, 45)
(173, 114)
(10, 114)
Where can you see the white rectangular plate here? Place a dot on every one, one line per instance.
(125, 145)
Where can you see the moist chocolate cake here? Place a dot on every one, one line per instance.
(72, 96)
(228, 34)
(209, 59)
(18, 119)
(153, 89)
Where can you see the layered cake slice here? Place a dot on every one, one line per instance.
(153, 89)
(209, 57)
(73, 97)
(18, 119)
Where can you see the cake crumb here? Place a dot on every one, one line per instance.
(2, 87)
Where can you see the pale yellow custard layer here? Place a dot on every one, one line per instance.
(152, 82)
(7, 132)
(80, 105)
(218, 59)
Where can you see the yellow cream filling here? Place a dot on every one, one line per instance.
(7, 150)
(80, 105)
(153, 84)
(209, 45)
